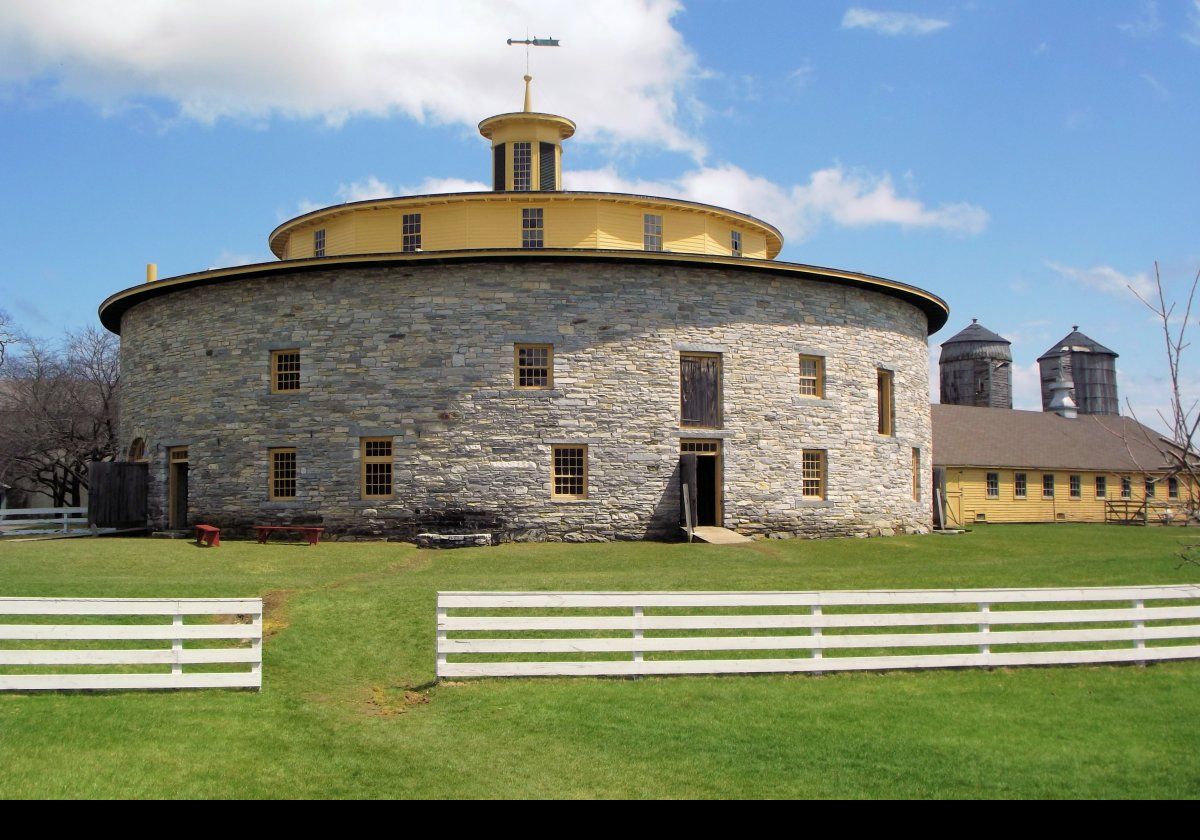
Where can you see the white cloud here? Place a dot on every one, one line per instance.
(848, 198)
(1146, 24)
(1160, 90)
(1105, 278)
(332, 60)
(1192, 34)
(1027, 386)
(891, 23)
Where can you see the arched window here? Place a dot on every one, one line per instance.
(137, 450)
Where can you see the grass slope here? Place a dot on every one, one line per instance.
(347, 711)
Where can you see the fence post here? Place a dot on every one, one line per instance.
(257, 646)
(638, 633)
(1140, 624)
(985, 649)
(441, 637)
(177, 646)
(818, 653)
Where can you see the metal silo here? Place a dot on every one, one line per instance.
(976, 369)
(1087, 363)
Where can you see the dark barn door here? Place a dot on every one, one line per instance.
(117, 494)
(700, 391)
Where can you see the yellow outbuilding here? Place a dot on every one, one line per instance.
(1001, 465)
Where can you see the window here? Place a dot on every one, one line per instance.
(916, 474)
(652, 232)
(1148, 486)
(735, 243)
(884, 380)
(1173, 488)
(283, 474)
(1126, 487)
(812, 376)
(532, 235)
(547, 169)
(319, 243)
(533, 365)
(1048, 486)
(812, 476)
(410, 232)
(179, 454)
(498, 168)
(376, 467)
(569, 472)
(1101, 487)
(137, 450)
(1076, 487)
(285, 371)
(700, 390)
(1020, 486)
(522, 167)
(993, 485)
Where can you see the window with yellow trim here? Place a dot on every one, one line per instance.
(569, 472)
(812, 376)
(285, 371)
(812, 473)
(533, 365)
(284, 473)
(376, 456)
(916, 474)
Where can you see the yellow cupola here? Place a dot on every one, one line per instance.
(527, 148)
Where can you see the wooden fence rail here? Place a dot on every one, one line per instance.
(1107, 624)
(23, 517)
(32, 639)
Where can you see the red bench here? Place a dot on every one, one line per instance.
(208, 535)
(310, 532)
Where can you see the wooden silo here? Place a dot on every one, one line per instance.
(1087, 363)
(976, 369)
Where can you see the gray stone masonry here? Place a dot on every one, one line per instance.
(425, 354)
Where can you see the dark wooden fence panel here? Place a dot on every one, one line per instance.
(117, 494)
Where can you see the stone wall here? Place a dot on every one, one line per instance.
(425, 354)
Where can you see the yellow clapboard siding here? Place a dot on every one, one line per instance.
(378, 231)
(443, 228)
(575, 228)
(339, 235)
(754, 245)
(966, 496)
(683, 233)
(619, 227)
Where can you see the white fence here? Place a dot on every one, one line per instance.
(23, 655)
(615, 634)
(18, 519)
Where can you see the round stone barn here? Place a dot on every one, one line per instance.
(529, 363)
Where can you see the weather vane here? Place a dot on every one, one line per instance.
(532, 42)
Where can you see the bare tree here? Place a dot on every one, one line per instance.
(8, 336)
(1176, 451)
(58, 409)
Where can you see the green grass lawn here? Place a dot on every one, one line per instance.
(347, 709)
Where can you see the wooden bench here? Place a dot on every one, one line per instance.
(310, 532)
(208, 535)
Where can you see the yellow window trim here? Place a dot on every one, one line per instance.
(277, 359)
(517, 348)
(554, 474)
(818, 380)
(823, 478)
(271, 477)
(366, 459)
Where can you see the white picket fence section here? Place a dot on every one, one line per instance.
(20, 518)
(176, 632)
(980, 620)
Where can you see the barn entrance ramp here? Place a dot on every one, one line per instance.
(719, 536)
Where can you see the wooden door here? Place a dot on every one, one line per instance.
(700, 390)
(177, 487)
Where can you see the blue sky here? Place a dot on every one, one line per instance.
(1026, 161)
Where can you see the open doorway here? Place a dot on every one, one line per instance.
(708, 466)
(177, 487)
